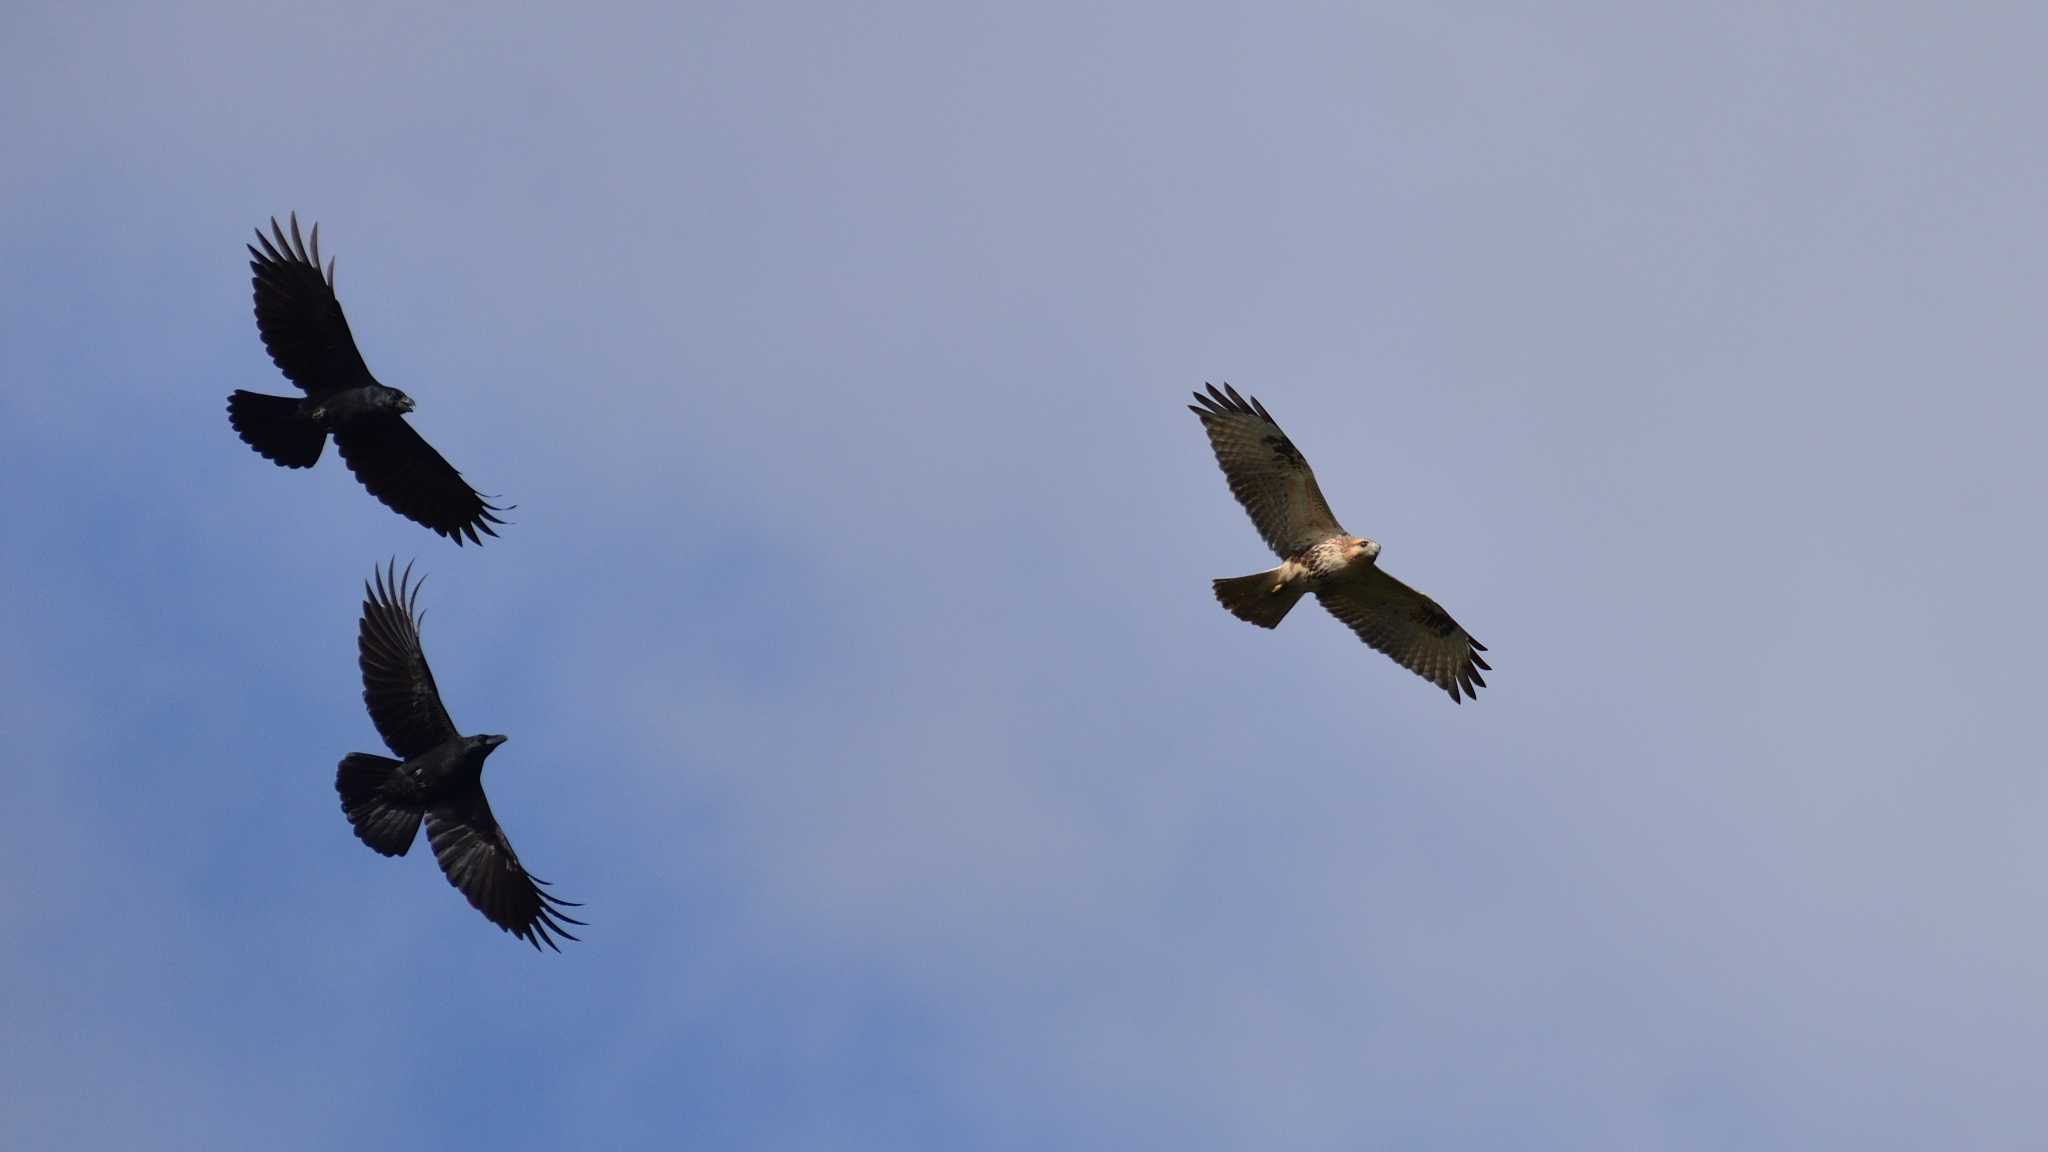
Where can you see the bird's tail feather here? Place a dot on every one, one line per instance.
(1262, 598)
(272, 426)
(384, 824)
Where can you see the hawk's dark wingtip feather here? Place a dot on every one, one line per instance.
(1228, 402)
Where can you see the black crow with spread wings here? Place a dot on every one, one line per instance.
(302, 326)
(1270, 477)
(439, 776)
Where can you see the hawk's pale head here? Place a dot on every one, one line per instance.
(1364, 551)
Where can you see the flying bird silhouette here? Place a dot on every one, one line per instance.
(308, 338)
(1270, 478)
(439, 776)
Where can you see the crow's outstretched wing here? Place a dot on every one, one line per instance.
(401, 469)
(1408, 626)
(398, 686)
(1266, 473)
(298, 315)
(479, 861)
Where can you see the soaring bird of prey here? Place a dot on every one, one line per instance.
(439, 776)
(1269, 477)
(301, 323)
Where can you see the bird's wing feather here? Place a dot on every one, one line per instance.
(477, 858)
(401, 469)
(1266, 472)
(1408, 626)
(398, 686)
(298, 315)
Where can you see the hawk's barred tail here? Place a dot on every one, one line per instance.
(272, 425)
(386, 827)
(1261, 598)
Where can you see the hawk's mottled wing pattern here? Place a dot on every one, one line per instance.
(398, 686)
(479, 861)
(298, 315)
(1266, 472)
(1408, 626)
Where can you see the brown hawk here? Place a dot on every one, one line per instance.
(1269, 477)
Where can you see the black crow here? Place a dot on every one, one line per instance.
(301, 323)
(440, 776)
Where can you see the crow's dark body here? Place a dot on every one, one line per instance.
(439, 778)
(300, 320)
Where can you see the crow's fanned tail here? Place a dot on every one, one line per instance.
(273, 426)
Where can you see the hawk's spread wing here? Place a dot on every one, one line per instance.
(298, 315)
(1266, 472)
(401, 469)
(397, 684)
(479, 861)
(1408, 626)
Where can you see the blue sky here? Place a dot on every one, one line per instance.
(854, 634)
